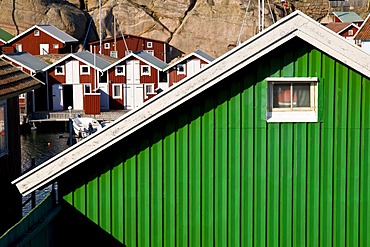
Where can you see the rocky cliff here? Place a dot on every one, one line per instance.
(215, 26)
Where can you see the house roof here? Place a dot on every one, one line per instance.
(5, 36)
(198, 53)
(87, 57)
(295, 25)
(145, 57)
(26, 60)
(364, 32)
(348, 17)
(339, 27)
(110, 39)
(50, 30)
(14, 81)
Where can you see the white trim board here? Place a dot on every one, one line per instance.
(296, 24)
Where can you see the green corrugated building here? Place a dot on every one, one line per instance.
(267, 146)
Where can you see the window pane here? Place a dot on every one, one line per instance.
(302, 94)
(281, 95)
(117, 91)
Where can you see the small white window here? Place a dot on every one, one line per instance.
(87, 88)
(149, 44)
(149, 89)
(114, 54)
(106, 46)
(292, 100)
(59, 70)
(117, 91)
(22, 96)
(181, 69)
(18, 47)
(36, 33)
(350, 32)
(145, 70)
(3, 128)
(120, 70)
(84, 70)
(56, 46)
(151, 52)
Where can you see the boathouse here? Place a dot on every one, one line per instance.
(40, 40)
(187, 66)
(134, 79)
(266, 146)
(13, 82)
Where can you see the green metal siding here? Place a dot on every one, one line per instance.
(215, 173)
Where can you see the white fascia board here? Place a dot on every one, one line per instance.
(17, 62)
(221, 68)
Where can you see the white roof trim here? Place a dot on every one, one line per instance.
(39, 28)
(128, 56)
(185, 58)
(296, 24)
(17, 62)
(75, 57)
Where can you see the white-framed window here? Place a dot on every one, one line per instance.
(22, 96)
(106, 46)
(18, 47)
(151, 52)
(56, 46)
(87, 88)
(181, 69)
(117, 91)
(148, 89)
(84, 70)
(3, 128)
(128, 52)
(120, 70)
(113, 54)
(59, 70)
(145, 70)
(36, 33)
(350, 32)
(149, 44)
(292, 99)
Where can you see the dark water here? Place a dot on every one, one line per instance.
(40, 146)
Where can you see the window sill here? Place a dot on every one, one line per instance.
(292, 117)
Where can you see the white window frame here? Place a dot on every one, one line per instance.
(56, 46)
(304, 114)
(350, 32)
(146, 92)
(87, 88)
(142, 70)
(84, 73)
(4, 129)
(36, 32)
(149, 44)
(118, 73)
(113, 54)
(151, 52)
(114, 95)
(56, 71)
(18, 47)
(106, 46)
(183, 72)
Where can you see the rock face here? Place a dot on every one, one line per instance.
(214, 26)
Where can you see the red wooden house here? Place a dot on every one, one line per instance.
(12, 83)
(40, 40)
(344, 29)
(134, 79)
(31, 101)
(122, 45)
(78, 80)
(187, 66)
